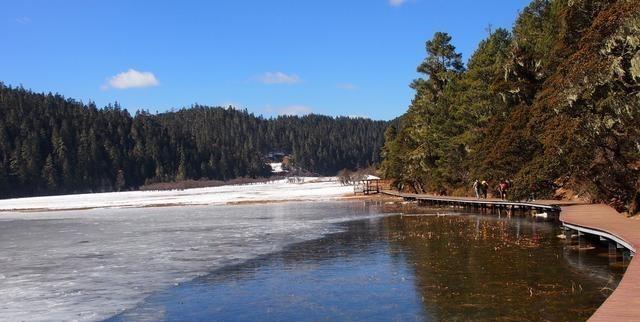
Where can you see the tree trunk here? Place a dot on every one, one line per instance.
(634, 207)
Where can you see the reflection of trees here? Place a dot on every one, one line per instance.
(479, 269)
(464, 267)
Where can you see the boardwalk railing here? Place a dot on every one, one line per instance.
(476, 203)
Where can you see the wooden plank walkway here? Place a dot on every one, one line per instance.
(553, 205)
(624, 303)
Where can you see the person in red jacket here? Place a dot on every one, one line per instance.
(503, 187)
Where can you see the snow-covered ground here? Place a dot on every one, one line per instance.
(311, 189)
(87, 265)
(276, 167)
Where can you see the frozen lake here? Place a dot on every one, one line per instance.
(454, 267)
(91, 264)
(330, 260)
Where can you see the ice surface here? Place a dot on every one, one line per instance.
(91, 264)
(281, 190)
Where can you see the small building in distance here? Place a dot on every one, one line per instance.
(367, 185)
(279, 162)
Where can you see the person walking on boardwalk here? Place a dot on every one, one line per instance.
(533, 189)
(503, 187)
(477, 189)
(485, 188)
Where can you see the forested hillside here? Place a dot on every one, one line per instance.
(50, 144)
(553, 105)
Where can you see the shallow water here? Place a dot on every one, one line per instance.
(402, 268)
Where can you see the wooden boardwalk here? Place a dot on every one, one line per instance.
(542, 205)
(624, 303)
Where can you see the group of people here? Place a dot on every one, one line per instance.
(481, 188)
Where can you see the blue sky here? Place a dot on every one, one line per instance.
(339, 57)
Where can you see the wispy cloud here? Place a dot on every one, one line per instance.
(397, 3)
(272, 78)
(131, 79)
(347, 86)
(23, 20)
(295, 110)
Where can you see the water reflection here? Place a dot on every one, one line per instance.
(438, 266)
(485, 267)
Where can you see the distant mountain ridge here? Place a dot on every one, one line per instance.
(50, 144)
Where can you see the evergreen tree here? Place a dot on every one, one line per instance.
(49, 174)
(49, 144)
(553, 105)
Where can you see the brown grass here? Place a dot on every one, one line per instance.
(191, 184)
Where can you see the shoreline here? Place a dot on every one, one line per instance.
(314, 189)
(280, 191)
(230, 203)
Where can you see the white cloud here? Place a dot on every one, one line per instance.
(397, 3)
(23, 20)
(271, 78)
(348, 86)
(295, 110)
(131, 79)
